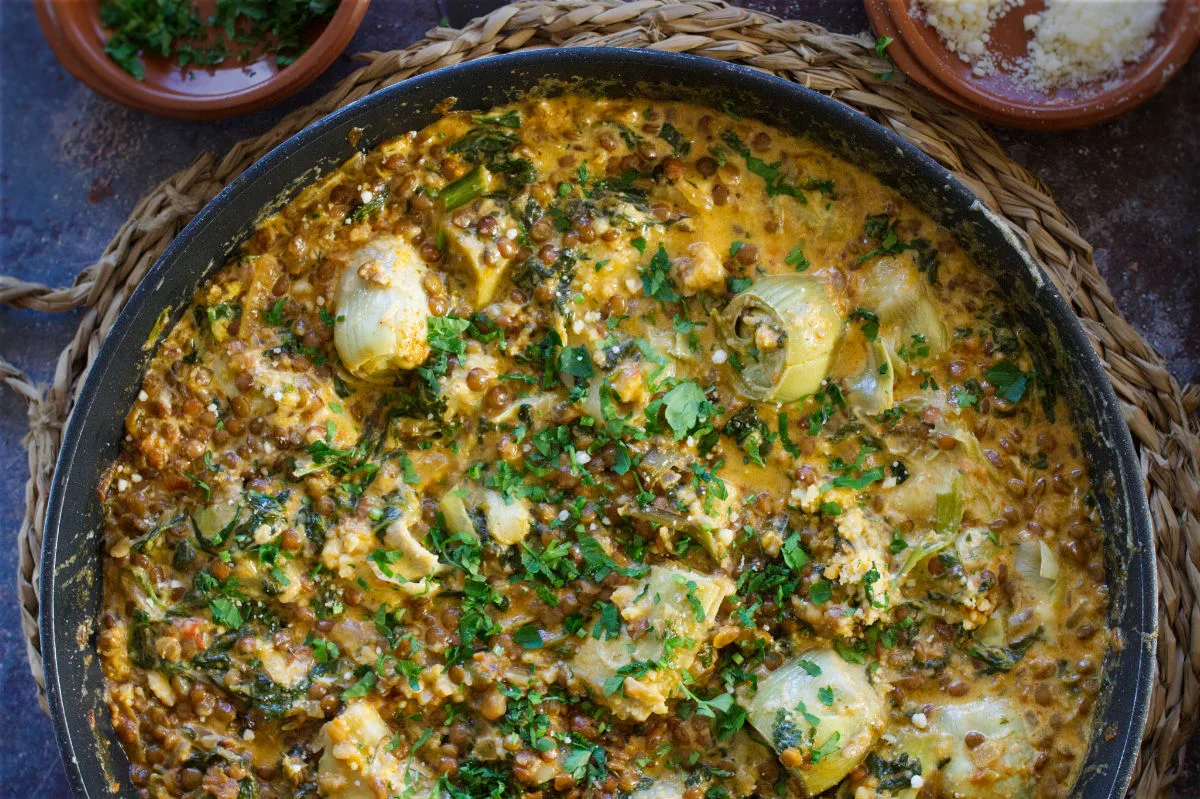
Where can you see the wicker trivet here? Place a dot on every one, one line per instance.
(1161, 415)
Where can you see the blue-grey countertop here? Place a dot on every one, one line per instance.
(73, 164)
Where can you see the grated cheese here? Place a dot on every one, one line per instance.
(1072, 41)
(964, 27)
(1078, 41)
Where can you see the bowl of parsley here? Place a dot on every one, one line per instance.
(211, 59)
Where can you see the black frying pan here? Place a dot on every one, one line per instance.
(70, 591)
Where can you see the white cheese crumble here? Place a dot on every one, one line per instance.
(964, 27)
(720, 356)
(1072, 41)
(1077, 42)
(919, 721)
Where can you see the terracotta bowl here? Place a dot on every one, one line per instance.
(1002, 98)
(72, 29)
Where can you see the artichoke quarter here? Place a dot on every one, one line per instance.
(382, 310)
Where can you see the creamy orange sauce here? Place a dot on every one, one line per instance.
(600, 448)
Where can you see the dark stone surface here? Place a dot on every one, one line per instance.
(72, 165)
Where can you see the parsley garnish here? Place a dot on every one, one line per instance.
(820, 592)
(656, 281)
(528, 637)
(225, 613)
(445, 334)
(870, 322)
(796, 258)
(1009, 380)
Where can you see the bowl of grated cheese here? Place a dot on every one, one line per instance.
(1042, 64)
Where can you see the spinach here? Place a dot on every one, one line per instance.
(772, 174)
(671, 135)
(141, 640)
(751, 434)
(491, 145)
(786, 734)
(997, 659)
(893, 775)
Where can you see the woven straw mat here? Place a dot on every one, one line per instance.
(1160, 414)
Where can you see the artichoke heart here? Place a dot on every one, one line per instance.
(823, 708)
(382, 309)
(895, 290)
(865, 368)
(783, 330)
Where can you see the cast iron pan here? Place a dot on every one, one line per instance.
(70, 591)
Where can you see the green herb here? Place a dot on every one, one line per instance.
(408, 470)
(324, 651)
(597, 564)
(639, 244)
(671, 135)
(445, 334)
(810, 668)
(881, 45)
(882, 229)
(825, 694)
(736, 285)
(820, 592)
(173, 29)
(964, 396)
(794, 554)
(361, 211)
(608, 622)
(772, 174)
(826, 749)
(796, 258)
(656, 277)
(225, 613)
(856, 483)
(201, 484)
(636, 669)
(365, 684)
(828, 400)
(831, 509)
(1009, 380)
(576, 361)
(870, 322)
(685, 406)
(528, 637)
(491, 145)
(587, 763)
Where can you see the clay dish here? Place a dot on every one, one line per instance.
(1003, 98)
(72, 29)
